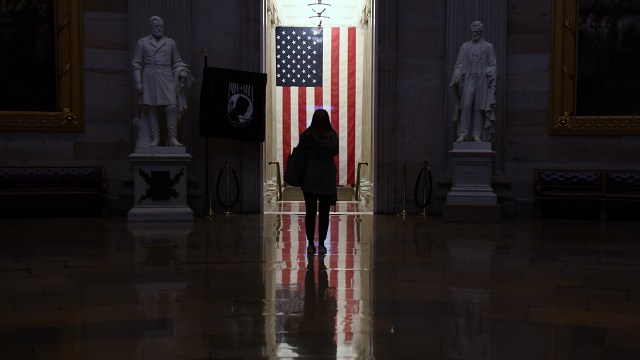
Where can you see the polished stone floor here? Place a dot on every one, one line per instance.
(391, 287)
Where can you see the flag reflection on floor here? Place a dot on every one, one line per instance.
(319, 305)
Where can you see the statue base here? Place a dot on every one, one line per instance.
(471, 198)
(160, 184)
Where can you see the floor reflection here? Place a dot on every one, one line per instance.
(312, 299)
(391, 287)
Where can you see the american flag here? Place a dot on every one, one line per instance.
(320, 68)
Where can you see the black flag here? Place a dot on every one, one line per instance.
(232, 104)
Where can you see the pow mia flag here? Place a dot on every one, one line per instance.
(232, 104)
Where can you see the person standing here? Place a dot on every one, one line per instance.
(160, 77)
(474, 84)
(319, 143)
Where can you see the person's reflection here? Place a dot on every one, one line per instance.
(316, 335)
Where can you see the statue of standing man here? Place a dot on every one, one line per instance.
(160, 77)
(474, 84)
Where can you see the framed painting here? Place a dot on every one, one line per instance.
(594, 74)
(41, 65)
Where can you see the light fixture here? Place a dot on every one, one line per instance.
(319, 9)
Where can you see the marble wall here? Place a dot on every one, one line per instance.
(410, 115)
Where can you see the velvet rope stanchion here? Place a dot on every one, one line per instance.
(426, 195)
(226, 204)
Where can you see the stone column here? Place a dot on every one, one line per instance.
(387, 166)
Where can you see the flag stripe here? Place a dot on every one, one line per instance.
(335, 88)
(318, 97)
(286, 129)
(302, 109)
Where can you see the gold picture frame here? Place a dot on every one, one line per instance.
(563, 85)
(69, 84)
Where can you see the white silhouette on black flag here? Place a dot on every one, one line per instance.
(232, 104)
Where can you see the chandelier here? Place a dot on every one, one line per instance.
(319, 9)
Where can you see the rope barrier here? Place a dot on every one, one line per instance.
(237, 183)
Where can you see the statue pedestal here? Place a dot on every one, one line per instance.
(160, 184)
(471, 198)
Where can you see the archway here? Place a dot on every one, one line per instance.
(319, 59)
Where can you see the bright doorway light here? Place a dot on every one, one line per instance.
(340, 13)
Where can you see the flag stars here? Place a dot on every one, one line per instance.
(299, 57)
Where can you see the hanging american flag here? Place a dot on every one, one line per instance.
(320, 68)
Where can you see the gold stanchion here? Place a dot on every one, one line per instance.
(358, 179)
(278, 180)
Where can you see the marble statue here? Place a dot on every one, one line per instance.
(161, 78)
(474, 84)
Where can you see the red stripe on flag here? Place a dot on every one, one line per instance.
(351, 107)
(286, 127)
(335, 88)
(318, 98)
(302, 109)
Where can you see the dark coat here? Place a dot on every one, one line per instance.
(320, 174)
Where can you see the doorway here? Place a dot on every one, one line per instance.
(319, 57)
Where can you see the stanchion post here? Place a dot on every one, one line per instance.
(208, 192)
(226, 180)
(424, 188)
(208, 180)
(404, 189)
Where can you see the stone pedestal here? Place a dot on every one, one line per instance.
(471, 198)
(160, 184)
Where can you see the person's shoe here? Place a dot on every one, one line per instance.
(477, 139)
(311, 249)
(322, 249)
(460, 138)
